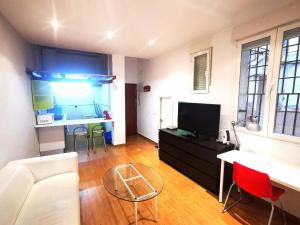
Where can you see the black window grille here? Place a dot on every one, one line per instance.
(287, 119)
(254, 63)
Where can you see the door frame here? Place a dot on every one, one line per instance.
(160, 108)
(136, 96)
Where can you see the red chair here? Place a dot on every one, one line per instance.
(255, 183)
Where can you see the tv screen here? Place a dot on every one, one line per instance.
(201, 119)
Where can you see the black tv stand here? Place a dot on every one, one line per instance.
(194, 157)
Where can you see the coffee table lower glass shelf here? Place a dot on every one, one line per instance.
(135, 183)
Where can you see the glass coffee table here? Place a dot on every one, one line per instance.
(135, 183)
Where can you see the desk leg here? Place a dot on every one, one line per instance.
(135, 212)
(221, 181)
(65, 138)
(116, 180)
(155, 209)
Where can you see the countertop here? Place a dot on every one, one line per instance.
(65, 122)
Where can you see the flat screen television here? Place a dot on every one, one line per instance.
(200, 119)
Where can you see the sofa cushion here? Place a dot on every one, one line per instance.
(16, 181)
(52, 201)
(50, 165)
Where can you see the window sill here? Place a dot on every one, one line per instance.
(256, 133)
(200, 91)
(274, 136)
(285, 138)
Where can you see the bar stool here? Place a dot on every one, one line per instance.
(83, 132)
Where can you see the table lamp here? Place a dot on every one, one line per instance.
(252, 125)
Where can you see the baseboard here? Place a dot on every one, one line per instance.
(52, 146)
(51, 152)
(155, 143)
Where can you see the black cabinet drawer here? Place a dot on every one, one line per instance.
(193, 161)
(195, 158)
(191, 148)
(204, 180)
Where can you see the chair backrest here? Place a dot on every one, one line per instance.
(80, 129)
(94, 126)
(252, 181)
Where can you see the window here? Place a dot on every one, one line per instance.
(269, 82)
(287, 117)
(254, 62)
(201, 71)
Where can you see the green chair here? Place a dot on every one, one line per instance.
(96, 130)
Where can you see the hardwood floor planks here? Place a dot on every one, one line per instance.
(182, 201)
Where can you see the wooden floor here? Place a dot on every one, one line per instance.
(181, 202)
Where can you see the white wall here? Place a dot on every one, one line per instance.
(77, 101)
(268, 21)
(18, 138)
(118, 99)
(132, 70)
(169, 75)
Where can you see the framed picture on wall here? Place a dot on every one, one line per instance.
(201, 71)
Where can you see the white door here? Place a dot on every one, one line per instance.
(166, 112)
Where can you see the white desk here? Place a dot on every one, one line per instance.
(279, 172)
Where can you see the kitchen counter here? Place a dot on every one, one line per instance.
(52, 136)
(57, 123)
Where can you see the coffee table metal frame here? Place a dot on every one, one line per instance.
(127, 183)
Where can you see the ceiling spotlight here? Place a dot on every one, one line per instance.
(110, 35)
(150, 43)
(55, 24)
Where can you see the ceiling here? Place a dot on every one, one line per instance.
(167, 23)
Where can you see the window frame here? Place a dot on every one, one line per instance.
(207, 51)
(274, 86)
(268, 86)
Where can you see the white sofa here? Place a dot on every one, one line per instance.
(40, 191)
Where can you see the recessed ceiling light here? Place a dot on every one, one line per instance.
(110, 35)
(150, 43)
(55, 24)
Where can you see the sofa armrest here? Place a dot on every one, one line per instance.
(47, 166)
